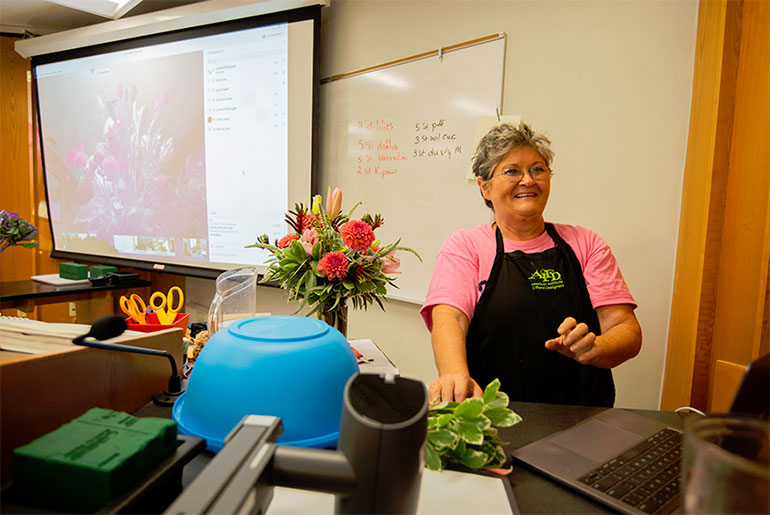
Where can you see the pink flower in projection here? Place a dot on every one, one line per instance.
(286, 241)
(357, 234)
(391, 263)
(110, 167)
(309, 238)
(334, 265)
(77, 157)
(164, 187)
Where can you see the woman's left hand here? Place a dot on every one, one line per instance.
(575, 341)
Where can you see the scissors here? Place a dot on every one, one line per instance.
(165, 311)
(131, 307)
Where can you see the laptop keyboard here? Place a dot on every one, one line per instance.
(645, 476)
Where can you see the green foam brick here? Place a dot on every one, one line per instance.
(91, 460)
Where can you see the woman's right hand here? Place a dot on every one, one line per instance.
(453, 387)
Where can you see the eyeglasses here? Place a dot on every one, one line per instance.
(517, 174)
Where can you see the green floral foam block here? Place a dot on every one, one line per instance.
(89, 461)
(74, 271)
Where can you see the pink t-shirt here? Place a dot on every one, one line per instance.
(465, 261)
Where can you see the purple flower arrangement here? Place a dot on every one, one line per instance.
(16, 231)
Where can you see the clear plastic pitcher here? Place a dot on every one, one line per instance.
(235, 298)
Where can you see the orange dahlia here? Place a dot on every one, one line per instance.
(357, 234)
(334, 265)
(286, 241)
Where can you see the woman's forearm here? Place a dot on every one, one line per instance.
(621, 337)
(450, 327)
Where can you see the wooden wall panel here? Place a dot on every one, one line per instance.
(16, 263)
(745, 249)
(707, 160)
(719, 307)
(727, 377)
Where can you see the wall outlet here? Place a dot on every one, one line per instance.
(73, 309)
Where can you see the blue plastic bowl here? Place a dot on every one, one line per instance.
(287, 366)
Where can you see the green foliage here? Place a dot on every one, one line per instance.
(295, 265)
(463, 433)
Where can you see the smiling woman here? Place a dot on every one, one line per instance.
(542, 306)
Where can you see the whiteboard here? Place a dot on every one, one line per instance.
(399, 139)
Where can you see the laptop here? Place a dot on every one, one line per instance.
(630, 462)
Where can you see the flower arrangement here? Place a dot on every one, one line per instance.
(329, 258)
(16, 231)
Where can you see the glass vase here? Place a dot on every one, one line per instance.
(336, 317)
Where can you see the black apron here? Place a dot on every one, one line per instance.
(526, 298)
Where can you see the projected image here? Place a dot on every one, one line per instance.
(147, 245)
(174, 149)
(142, 176)
(195, 248)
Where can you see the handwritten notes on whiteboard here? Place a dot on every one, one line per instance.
(378, 154)
(399, 139)
(435, 140)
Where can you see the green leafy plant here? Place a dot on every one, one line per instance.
(464, 433)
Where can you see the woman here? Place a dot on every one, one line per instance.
(541, 306)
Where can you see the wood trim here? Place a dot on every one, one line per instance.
(689, 337)
(720, 306)
(457, 46)
(745, 248)
(756, 108)
(727, 376)
(16, 263)
(764, 335)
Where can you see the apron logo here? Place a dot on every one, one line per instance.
(546, 279)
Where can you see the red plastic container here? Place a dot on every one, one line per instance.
(153, 324)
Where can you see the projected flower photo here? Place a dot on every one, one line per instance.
(140, 174)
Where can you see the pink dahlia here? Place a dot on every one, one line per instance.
(334, 265)
(286, 241)
(357, 234)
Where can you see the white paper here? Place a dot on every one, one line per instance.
(444, 492)
(374, 361)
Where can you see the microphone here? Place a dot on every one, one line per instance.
(113, 325)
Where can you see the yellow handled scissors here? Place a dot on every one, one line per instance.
(134, 307)
(165, 310)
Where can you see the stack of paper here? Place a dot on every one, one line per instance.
(36, 337)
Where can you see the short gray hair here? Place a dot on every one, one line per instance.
(496, 144)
